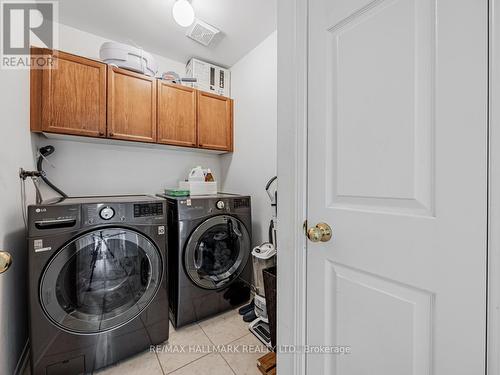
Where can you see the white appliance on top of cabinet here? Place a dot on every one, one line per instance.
(210, 78)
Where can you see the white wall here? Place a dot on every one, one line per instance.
(15, 152)
(253, 87)
(95, 168)
(85, 44)
(493, 332)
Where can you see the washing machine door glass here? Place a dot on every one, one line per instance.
(101, 280)
(217, 252)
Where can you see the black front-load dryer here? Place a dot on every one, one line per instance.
(209, 246)
(97, 281)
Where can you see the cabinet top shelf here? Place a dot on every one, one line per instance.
(64, 54)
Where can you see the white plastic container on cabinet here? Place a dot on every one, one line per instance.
(128, 57)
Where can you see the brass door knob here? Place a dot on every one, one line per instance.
(5, 261)
(321, 232)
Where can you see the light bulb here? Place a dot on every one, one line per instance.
(183, 13)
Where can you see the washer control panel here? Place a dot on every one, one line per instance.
(148, 209)
(110, 212)
(106, 213)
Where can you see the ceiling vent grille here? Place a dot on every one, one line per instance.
(203, 33)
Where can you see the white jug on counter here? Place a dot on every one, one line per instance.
(196, 174)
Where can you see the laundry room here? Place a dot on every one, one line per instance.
(139, 188)
(250, 187)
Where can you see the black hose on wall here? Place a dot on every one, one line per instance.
(44, 152)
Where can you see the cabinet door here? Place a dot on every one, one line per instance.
(176, 115)
(215, 122)
(73, 96)
(131, 106)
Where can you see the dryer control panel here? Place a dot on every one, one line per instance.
(199, 207)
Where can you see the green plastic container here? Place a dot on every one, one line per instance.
(176, 192)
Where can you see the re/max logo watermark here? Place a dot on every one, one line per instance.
(27, 24)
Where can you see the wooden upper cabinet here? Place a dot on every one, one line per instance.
(131, 106)
(176, 115)
(69, 98)
(80, 96)
(215, 122)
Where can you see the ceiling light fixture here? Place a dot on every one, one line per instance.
(183, 13)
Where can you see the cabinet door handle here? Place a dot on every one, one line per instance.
(101, 133)
(111, 134)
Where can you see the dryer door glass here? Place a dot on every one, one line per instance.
(217, 252)
(101, 280)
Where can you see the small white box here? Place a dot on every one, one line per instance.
(199, 188)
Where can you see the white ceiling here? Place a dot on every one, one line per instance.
(149, 24)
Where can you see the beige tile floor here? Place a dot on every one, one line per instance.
(221, 345)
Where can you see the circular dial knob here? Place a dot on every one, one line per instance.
(107, 213)
(220, 205)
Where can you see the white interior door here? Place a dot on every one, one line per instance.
(397, 165)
